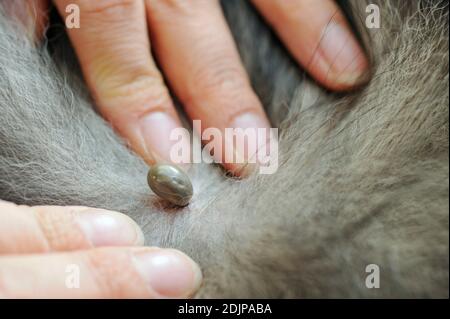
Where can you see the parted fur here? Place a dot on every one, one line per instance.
(363, 176)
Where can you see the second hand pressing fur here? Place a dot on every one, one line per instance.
(363, 177)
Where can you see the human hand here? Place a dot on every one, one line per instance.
(40, 244)
(198, 57)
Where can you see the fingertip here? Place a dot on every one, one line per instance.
(340, 64)
(319, 37)
(108, 228)
(168, 273)
(253, 130)
(160, 131)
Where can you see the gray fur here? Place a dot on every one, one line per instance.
(363, 177)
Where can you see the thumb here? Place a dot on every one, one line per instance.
(100, 273)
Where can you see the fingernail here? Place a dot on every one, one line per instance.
(107, 228)
(156, 129)
(247, 153)
(168, 272)
(344, 56)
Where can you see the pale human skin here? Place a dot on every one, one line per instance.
(198, 59)
(41, 245)
(193, 46)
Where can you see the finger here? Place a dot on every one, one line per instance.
(32, 14)
(100, 273)
(319, 37)
(114, 52)
(39, 229)
(197, 53)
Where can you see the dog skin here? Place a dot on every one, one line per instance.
(363, 177)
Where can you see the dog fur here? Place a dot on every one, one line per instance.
(363, 176)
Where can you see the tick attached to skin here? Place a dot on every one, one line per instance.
(170, 183)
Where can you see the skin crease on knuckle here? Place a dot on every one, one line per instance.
(117, 78)
(57, 232)
(121, 81)
(224, 84)
(220, 78)
(127, 98)
(362, 176)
